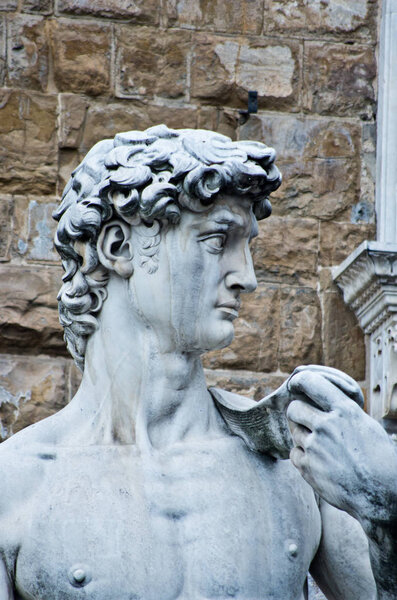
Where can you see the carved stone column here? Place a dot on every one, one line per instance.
(368, 280)
(386, 143)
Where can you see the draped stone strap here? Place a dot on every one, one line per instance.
(262, 425)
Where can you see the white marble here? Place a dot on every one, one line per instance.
(367, 276)
(148, 485)
(386, 180)
(368, 282)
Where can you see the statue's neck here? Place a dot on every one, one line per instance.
(136, 392)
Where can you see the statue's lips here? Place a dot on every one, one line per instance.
(230, 308)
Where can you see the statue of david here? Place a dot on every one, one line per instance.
(148, 485)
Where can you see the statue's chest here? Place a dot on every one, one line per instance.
(213, 522)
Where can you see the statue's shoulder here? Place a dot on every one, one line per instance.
(21, 468)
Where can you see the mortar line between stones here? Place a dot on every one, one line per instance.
(112, 66)
(320, 295)
(301, 75)
(5, 29)
(262, 28)
(325, 37)
(163, 21)
(189, 57)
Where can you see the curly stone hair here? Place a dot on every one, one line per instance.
(145, 178)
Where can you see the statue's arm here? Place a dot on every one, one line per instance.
(349, 460)
(18, 472)
(6, 592)
(383, 554)
(342, 567)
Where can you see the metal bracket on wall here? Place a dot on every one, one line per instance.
(251, 108)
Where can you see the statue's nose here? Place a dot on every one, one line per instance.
(242, 275)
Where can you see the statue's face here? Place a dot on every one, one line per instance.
(205, 263)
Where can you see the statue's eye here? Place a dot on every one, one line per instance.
(215, 242)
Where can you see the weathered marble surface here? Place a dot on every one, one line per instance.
(147, 484)
(55, 103)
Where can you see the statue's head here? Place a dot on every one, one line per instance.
(130, 193)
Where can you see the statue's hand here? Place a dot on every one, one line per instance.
(344, 454)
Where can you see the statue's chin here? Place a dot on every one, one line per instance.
(220, 342)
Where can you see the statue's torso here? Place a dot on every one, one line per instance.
(207, 520)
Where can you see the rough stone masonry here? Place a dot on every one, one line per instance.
(73, 72)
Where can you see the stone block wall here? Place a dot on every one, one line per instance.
(75, 71)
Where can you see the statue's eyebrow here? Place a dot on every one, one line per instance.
(229, 218)
(232, 219)
(225, 219)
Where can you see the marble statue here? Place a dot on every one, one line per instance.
(149, 486)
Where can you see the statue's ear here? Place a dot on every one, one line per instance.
(114, 248)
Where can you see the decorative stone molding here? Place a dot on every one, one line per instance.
(368, 277)
(386, 177)
(368, 280)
